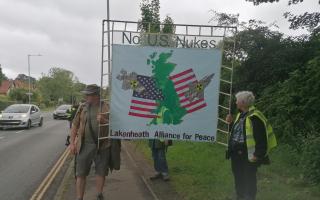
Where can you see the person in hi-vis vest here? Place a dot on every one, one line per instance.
(250, 142)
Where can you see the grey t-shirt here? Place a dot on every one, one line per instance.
(91, 115)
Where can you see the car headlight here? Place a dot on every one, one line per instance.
(23, 115)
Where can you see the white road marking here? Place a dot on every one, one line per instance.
(19, 131)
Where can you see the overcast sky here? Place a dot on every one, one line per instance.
(68, 32)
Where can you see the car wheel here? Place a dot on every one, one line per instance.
(29, 124)
(41, 122)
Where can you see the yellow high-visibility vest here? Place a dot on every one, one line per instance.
(250, 142)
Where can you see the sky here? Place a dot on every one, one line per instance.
(68, 32)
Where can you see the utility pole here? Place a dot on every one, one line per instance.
(1, 76)
(29, 93)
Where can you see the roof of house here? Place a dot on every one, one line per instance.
(20, 84)
(5, 86)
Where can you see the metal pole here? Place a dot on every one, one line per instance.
(231, 86)
(29, 93)
(29, 78)
(109, 55)
(102, 61)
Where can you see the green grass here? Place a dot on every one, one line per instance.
(199, 171)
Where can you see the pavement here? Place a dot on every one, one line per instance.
(130, 182)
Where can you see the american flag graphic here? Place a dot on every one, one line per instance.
(181, 84)
(143, 104)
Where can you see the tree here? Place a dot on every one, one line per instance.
(290, 2)
(310, 21)
(2, 76)
(307, 20)
(59, 83)
(263, 56)
(20, 95)
(150, 17)
(150, 25)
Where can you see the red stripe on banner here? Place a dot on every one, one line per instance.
(193, 103)
(181, 94)
(181, 74)
(142, 115)
(185, 79)
(184, 86)
(144, 103)
(184, 100)
(141, 109)
(197, 108)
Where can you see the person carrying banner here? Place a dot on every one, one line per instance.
(250, 142)
(84, 142)
(159, 148)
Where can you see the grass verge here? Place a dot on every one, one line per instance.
(200, 171)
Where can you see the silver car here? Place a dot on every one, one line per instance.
(62, 112)
(21, 116)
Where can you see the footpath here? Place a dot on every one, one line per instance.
(130, 182)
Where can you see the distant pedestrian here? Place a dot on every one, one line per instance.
(159, 149)
(250, 141)
(84, 142)
(71, 113)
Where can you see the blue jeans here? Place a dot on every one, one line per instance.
(159, 159)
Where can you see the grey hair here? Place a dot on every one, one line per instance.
(246, 97)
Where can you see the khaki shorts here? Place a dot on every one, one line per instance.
(87, 156)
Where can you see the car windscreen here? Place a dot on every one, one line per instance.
(17, 109)
(63, 107)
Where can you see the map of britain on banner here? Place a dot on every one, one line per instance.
(165, 93)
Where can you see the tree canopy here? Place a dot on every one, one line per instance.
(60, 83)
(307, 20)
(2, 76)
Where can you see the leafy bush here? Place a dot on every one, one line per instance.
(4, 104)
(310, 159)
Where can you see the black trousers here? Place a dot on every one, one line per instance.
(245, 175)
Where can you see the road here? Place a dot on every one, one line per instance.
(26, 157)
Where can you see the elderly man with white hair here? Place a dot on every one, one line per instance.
(250, 141)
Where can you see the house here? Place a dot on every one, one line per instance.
(6, 86)
(22, 84)
(25, 78)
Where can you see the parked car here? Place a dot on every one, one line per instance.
(61, 112)
(21, 116)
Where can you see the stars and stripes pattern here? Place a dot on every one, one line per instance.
(143, 104)
(181, 84)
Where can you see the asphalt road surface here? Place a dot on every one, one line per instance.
(26, 156)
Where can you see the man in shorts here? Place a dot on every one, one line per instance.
(84, 141)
